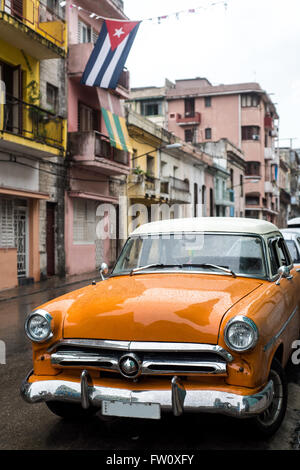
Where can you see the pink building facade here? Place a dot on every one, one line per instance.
(96, 167)
(199, 112)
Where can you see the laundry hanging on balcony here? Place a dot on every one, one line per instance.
(109, 55)
(113, 114)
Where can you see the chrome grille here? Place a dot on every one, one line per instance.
(154, 358)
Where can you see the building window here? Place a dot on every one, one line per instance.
(207, 101)
(189, 135)
(84, 32)
(151, 108)
(250, 100)
(189, 107)
(52, 97)
(231, 178)
(252, 169)
(84, 221)
(208, 133)
(88, 118)
(250, 133)
(7, 226)
(242, 185)
(252, 200)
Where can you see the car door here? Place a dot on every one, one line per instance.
(287, 294)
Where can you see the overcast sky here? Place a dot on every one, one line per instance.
(250, 40)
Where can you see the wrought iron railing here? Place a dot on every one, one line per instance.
(32, 122)
(38, 16)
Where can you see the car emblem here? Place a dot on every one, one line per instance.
(130, 365)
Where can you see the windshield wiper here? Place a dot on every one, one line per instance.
(156, 265)
(209, 265)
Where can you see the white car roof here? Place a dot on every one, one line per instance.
(289, 234)
(296, 221)
(207, 224)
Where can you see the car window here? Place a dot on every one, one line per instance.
(293, 250)
(279, 254)
(275, 264)
(284, 255)
(243, 254)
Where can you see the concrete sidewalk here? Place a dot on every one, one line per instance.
(51, 283)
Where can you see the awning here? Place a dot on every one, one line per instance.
(113, 115)
(23, 193)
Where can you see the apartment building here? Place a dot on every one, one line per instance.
(289, 166)
(97, 164)
(167, 175)
(245, 115)
(30, 134)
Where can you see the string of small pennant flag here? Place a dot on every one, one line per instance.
(158, 19)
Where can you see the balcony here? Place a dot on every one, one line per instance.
(269, 188)
(269, 153)
(29, 129)
(178, 190)
(78, 57)
(142, 186)
(268, 122)
(224, 198)
(31, 26)
(189, 119)
(93, 151)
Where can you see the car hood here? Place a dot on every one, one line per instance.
(152, 307)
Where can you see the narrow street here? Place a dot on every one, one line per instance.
(34, 427)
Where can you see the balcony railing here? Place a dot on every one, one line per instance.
(32, 122)
(181, 185)
(103, 149)
(188, 119)
(39, 17)
(268, 122)
(95, 150)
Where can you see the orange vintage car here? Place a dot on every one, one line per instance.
(197, 315)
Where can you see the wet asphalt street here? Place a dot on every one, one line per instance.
(32, 427)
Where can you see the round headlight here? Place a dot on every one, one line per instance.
(241, 334)
(38, 326)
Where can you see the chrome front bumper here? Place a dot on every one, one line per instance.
(176, 399)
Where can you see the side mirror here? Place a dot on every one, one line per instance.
(103, 270)
(284, 273)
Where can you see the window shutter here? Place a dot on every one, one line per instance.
(7, 237)
(95, 35)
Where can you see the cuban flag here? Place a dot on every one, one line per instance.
(109, 55)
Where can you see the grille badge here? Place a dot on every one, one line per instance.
(130, 365)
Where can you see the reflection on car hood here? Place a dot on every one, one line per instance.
(152, 307)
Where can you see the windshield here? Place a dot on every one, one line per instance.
(241, 254)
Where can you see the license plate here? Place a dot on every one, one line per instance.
(131, 410)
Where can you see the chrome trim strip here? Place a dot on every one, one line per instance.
(152, 366)
(147, 346)
(274, 339)
(201, 400)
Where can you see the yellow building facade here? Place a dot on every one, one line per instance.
(30, 32)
